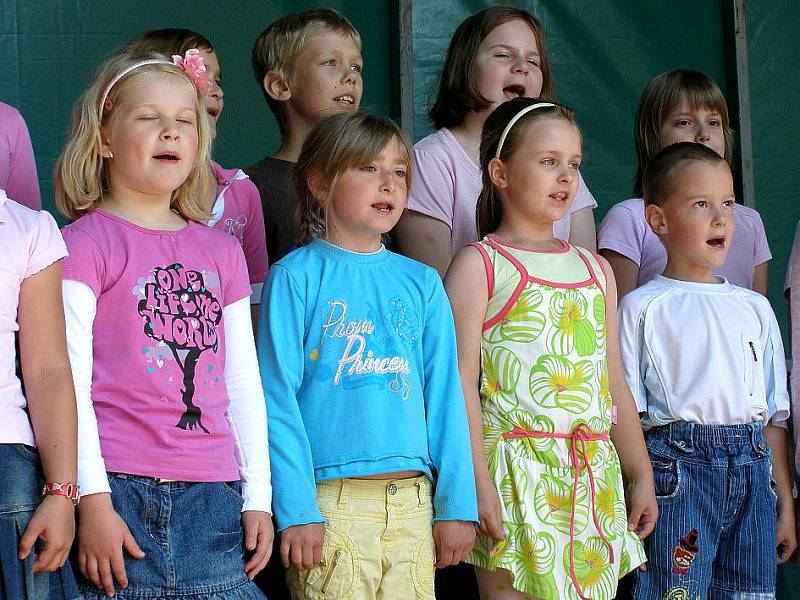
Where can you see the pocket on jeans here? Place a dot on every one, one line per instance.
(233, 489)
(422, 568)
(29, 453)
(666, 476)
(337, 575)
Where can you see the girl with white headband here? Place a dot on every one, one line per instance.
(540, 364)
(172, 458)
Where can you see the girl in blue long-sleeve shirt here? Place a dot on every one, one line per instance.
(369, 444)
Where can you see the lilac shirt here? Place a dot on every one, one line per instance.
(625, 231)
(447, 183)
(237, 211)
(17, 166)
(159, 343)
(29, 242)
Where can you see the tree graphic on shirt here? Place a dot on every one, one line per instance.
(181, 312)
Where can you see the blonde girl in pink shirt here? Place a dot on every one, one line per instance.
(495, 55)
(173, 457)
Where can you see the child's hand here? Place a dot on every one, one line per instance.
(301, 545)
(54, 523)
(454, 540)
(102, 535)
(258, 534)
(490, 517)
(642, 507)
(787, 536)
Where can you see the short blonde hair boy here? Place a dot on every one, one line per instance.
(277, 47)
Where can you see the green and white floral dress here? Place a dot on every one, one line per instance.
(547, 412)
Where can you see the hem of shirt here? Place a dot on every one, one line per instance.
(625, 251)
(422, 210)
(41, 265)
(365, 467)
(189, 475)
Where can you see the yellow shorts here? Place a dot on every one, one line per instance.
(378, 542)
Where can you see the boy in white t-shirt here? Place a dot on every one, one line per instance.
(704, 360)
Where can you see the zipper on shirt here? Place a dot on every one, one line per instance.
(329, 575)
(753, 350)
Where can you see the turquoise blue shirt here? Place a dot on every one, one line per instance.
(358, 362)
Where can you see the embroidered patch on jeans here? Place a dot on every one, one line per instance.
(677, 593)
(684, 554)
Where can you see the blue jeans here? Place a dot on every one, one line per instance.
(191, 534)
(715, 537)
(20, 493)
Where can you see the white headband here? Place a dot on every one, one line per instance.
(516, 118)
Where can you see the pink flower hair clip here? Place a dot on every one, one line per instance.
(192, 64)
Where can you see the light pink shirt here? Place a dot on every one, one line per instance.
(17, 166)
(237, 211)
(29, 242)
(447, 183)
(625, 231)
(159, 343)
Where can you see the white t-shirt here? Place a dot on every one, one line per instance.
(702, 353)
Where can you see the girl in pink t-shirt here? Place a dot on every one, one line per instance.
(495, 55)
(17, 164)
(38, 429)
(235, 204)
(679, 106)
(172, 457)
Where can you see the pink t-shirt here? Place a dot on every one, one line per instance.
(447, 183)
(158, 384)
(29, 242)
(17, 166)
(625, 231)
(237, 211)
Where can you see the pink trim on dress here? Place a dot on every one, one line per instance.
(487, 265)
(492, 241)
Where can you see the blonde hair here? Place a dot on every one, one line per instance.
(663, 95)
(343, 141)
(81, 176)
(277, 47)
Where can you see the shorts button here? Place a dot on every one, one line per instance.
(392, 489)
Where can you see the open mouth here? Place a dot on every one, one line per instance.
(213, 112)
(717, 242)
(383, 207)
(345, 100)
(168, 157)
(514, 91)
(559, 196)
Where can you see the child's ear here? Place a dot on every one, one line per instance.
(498, 173)
(655, 217)
(276, 86)
(105, 144)
(317, 184)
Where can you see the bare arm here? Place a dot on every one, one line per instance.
(466, 286)
(627, 432)
(626, 272)
(778, 442)
(51, 403)
(424, 239)
(760, 279)
(582, 231)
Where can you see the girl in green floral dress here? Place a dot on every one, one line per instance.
(557, 444)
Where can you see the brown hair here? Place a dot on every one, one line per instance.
(81, 179)
(276, 48)
(458, 92)
(661, 96)
(339, 142)
(662, 168)
(489, 211)
(169, 41)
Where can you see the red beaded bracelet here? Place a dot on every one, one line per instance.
(70, 491)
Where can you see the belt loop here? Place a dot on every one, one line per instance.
(420, 493)
(344, 494)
